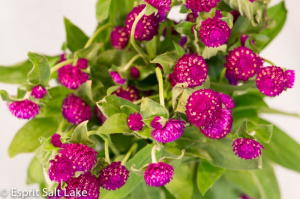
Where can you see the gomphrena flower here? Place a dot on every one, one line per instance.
(183, 41)
(135, 122)
(83, 157)
(202, 5)
(163, 7)
(242, 63)
(38, 92)
(25, 109)
(247, 148)
(134, 73)
(231, 80)
(172, 130)
(114, 176)
(272, 80)
(62, 58)
(214, 32)
(61, 168)
(190, 68)
(75, 110)
(158, 174)
(147, 26)
(203, 106)
(192, 17)
(130, 93)
(119, 37)
(55, 140)
(227, 101)
(71, 77)
(117, 77)
(99, 115)
(85, 182)
(82, 63)
(290, 78)
(220, 127)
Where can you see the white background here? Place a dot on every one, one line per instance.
(37, 25)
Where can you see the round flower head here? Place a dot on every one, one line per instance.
(114, 176)
(271, 81)
(190, 68)
(61, 168)
(55, 140)
(183, 41)
(134, 73)
(75, 110)
(231, 80)
(172, 130)
(163, 7)
(158, 174)
(71, 77)
(25, 109)
(86, 183)
(135, 122)
(62, 58)
(290, 78)
(119, 38)
(117, 77)
(247, 148)
(38, 92)
(214, 32)
(203, 106)
(82, 63)
(83, 157)
(220, 127)
(227, 101)
(192, 17)
(242, 63)
(202, 5)
(130, 93)
(99, 115)
(147, 26)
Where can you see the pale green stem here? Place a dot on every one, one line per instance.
(107, 159)
(130, 63)
(136, 47)
(268, 61)
(91, 40)
(160, 85)
(153, 156)
(61, 64)
(132, 148)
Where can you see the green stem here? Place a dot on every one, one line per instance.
(132, 40)
(268, 61)
(126, 67)
(153, 156)
(107, 159)
(150, 97)
(132, 148)
(161, 86)
(61, 64)
(91, 40)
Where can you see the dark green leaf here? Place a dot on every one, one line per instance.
(35, 172)
(102, 10)
(117, 123)
(101, 164)
(150, 108)
(167, 60)
(80, 135)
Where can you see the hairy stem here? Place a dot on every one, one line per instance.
(268, 61)
(153, 156)
(91, 40)
(132, 149)
(126, 67)
(107, 159)
(161, 86)
(61, 64)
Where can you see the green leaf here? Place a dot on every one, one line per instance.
(146, 192)
(167, 61)
(226, 88)
(207, 175)
(180, 51)
(27, 138)
(76, 39)
(35, 172)
(196, 144)
(101, 164)
(151, 47)
(150, 108)
(278, 15)
(89, 53)
(117, 123)
(141, 158)
(15, 74)
(115, 57)
(209, 52)
(251, 100)
(185, 28)
(102, 10)
(181, 186)
(6, 97)
(40, 73)
(80, 135)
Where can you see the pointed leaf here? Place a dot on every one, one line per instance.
(80, 135)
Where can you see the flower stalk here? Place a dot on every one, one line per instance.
(161, 86)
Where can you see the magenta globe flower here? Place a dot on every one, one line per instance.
(202, 5)
(61, 169)
(290, 78)
(134, 73)
(242, 63)
(114, 176)
(55, 140)
(227, 101)
(191, 17)
(214, 32)
(247, 148)
(190, 68)
(99, 115)
(117, 77)
(82, 63)
(71, 77)
(147, 26)
(25, 109)
(38, 92)
(135, 122)
(172, 130)
(158, 174)
(163, 7)
(130, 93)
(75, 110)
(86, 183)
(119, 37)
